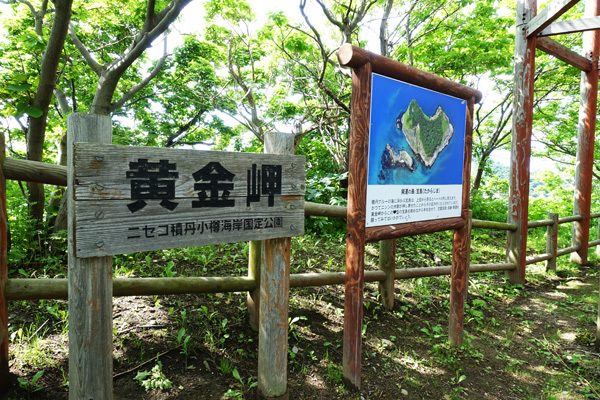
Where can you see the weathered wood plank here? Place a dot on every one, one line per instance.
(90, 288)
(355, 239)
(105, 172)
(461, 247)
(274, 298)
(137, 199)
(355, 57)
(459, 281)
(34, 171)
(108, 228)
(563, 53)
(4, 369)
(577, 25)
(377, 233)
(548, 15)
(518, 206)
(586, 135)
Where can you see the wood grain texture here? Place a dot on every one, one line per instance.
(355, 239)
(563, 53)
(548, 15)
(468, 155)
(356, 57)
(572, 26)
(552, 241)
(273, 317)
(586, 135)
(34, 171)
(387, 263)
(274, 298)
(253, 296)
(461, 249)
(518, 201)
(107, 228)
(459, 281)
(114, 218)
(377, 233)
(101, 170)
(4, 356)
(90, 288)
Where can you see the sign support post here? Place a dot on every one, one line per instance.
(355, 238)
(274, 297)
(90, 286)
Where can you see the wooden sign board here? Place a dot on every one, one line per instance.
(398, 182)
(416, 154)
(130, 199)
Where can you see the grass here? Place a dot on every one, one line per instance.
(519, 341)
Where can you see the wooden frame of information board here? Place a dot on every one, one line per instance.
(364, 64)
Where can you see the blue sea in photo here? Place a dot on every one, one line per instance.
(390, 98)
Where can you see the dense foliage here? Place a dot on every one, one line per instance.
(233, 76)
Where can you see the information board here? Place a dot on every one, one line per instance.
(130, 199)
(416, 154)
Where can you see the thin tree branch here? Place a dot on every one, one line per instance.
(132, 92)
(91, 61)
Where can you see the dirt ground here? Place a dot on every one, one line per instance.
(520, 343)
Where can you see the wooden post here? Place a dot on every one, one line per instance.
(598, 247)
(459, 281)
(274, 298)
(585, 141)
(461, 248)
(518, 200)
(253, 298)
(387, 263)
(355, 239)
(90, 287)
(552, 241)
(3, 276)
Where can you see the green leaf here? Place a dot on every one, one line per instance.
(236, 374)
(19, 87)
(33, 112)
(141, 375)
(37, 376)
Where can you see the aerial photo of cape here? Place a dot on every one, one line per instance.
(417, 135)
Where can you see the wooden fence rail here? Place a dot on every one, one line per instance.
(35, 289)
(19, 289)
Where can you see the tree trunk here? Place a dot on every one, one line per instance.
(479, 174)
(37, 127)
(59, 221)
